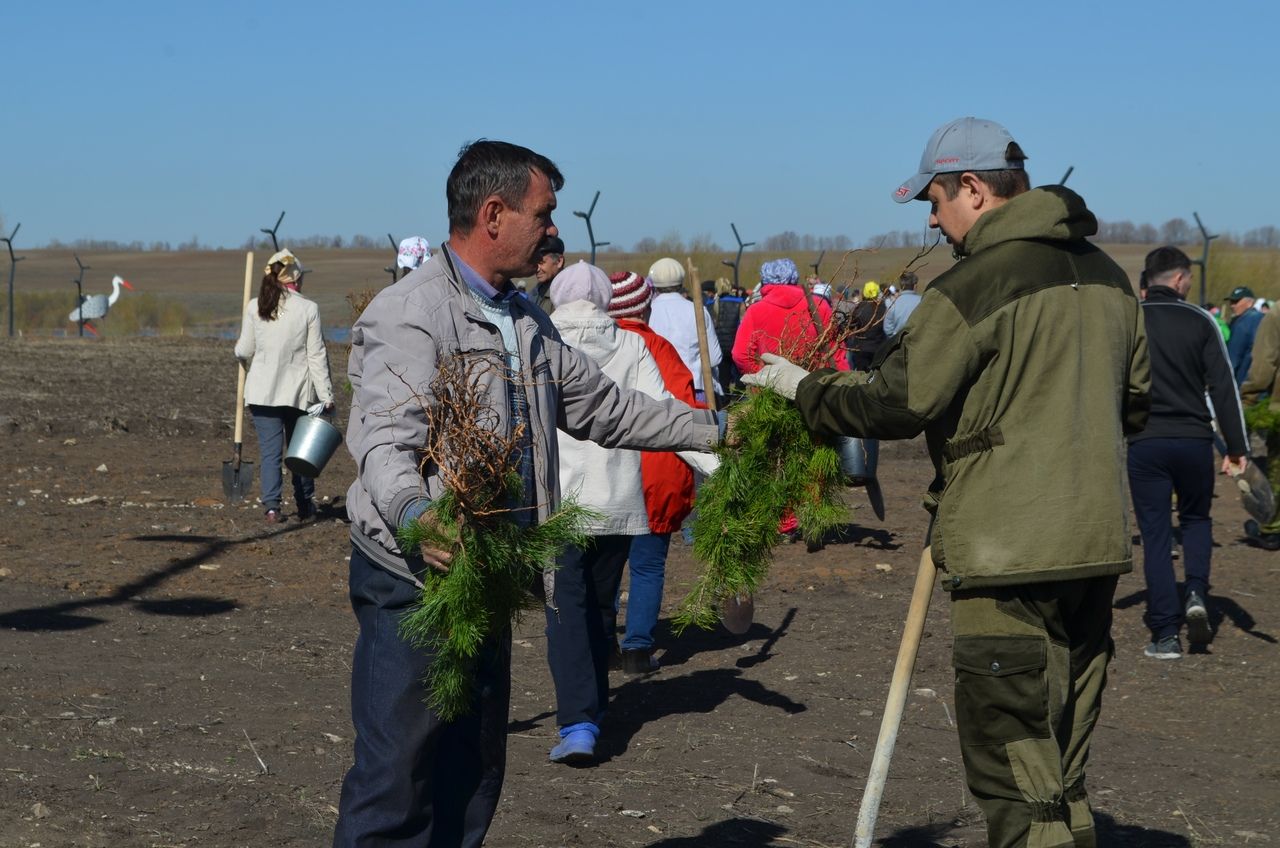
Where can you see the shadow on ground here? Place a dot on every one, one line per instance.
(679, 649)
(742, 832)
(63, 616)
(1221, 609)
(649, 698)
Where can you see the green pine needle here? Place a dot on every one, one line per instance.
(1262, 418)
(776, 464)
(497, 560)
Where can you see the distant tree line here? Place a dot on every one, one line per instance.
(357, 242)
(113, 246)
(673, 242)
(1173, 231)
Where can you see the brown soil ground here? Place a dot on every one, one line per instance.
(175, 672)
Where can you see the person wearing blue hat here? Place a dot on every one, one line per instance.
(1024, 364)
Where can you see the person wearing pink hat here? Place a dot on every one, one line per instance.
(581, 613)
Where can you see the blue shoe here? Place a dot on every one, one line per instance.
(577, 744)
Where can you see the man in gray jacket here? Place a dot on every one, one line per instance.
(418, 780)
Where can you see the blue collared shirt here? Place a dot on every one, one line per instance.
(479, 284)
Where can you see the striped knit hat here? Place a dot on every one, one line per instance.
(631, 294)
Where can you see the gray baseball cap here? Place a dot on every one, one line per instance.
(965, 144)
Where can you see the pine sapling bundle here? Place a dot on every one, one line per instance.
(774, 465)
(498, 548)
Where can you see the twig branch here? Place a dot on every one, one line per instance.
(254, 750)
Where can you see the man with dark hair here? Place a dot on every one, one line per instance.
(1028, 345)
(1174, 454)
(1245, 319)
(419, 780)
(550, 263)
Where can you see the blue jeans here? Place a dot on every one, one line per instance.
(648, 564)
(274, 426)
(417, 780)
(1157, 469)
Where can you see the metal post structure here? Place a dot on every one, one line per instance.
(737, 261)
(816, 265)
(79, 281)
(1063, 181)
(13, 270)
(395, 248)
(275, 245)
(586, 216)
(1203, 261)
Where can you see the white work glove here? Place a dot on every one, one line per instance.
(317, 408)
(778, 374)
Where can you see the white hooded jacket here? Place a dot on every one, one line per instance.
(607, 480)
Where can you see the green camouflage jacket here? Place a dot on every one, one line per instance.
(1024, 365)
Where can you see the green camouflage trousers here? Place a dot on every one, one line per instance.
(1031, 666)
(1273, 475)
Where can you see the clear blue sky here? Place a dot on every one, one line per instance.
(163, 120)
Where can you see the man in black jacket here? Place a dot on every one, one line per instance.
(1174, 454)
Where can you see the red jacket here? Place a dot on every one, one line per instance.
(780, 314)
(667, 481)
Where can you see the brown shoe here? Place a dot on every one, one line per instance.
(275, 516)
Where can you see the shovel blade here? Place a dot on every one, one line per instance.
(236, 482)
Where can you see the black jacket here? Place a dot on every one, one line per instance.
(1188, 358)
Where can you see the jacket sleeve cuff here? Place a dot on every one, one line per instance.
(706, 430)
(407, 506)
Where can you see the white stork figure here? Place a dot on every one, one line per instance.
(96, 305)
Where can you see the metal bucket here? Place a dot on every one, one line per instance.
(313, 444)
(859, 459)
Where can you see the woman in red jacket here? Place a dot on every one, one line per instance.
(667, 480)
(780, 322)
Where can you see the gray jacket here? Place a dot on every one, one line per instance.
(429, 314)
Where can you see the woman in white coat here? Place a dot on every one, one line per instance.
(580, 616)
(281, 343)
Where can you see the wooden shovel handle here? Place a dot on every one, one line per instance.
(893, 707)
(704, 349)
(248, 289)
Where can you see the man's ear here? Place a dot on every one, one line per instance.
(974, 190)
(491, 210)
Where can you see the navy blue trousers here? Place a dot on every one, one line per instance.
(581, 630)
(417, 780)
(1159, 468)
